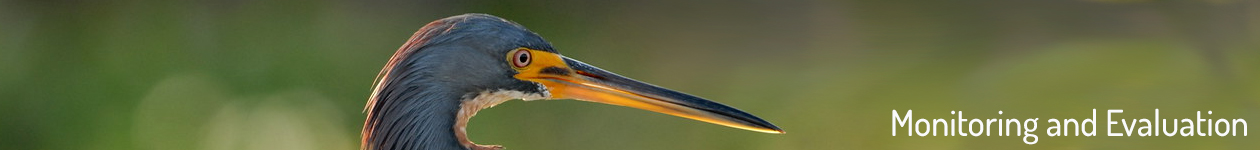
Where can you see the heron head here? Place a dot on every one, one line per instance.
(491, 60)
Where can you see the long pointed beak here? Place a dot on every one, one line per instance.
(566, 78)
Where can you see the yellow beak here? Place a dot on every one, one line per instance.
(566, 78)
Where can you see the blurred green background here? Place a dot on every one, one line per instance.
(289, 74)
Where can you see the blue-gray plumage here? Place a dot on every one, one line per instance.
(455, 66)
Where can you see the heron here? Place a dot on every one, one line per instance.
(453, 67)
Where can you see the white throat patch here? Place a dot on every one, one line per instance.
(483, 100)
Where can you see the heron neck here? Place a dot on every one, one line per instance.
(413, 118)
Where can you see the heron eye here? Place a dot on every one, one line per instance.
(520, 58)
